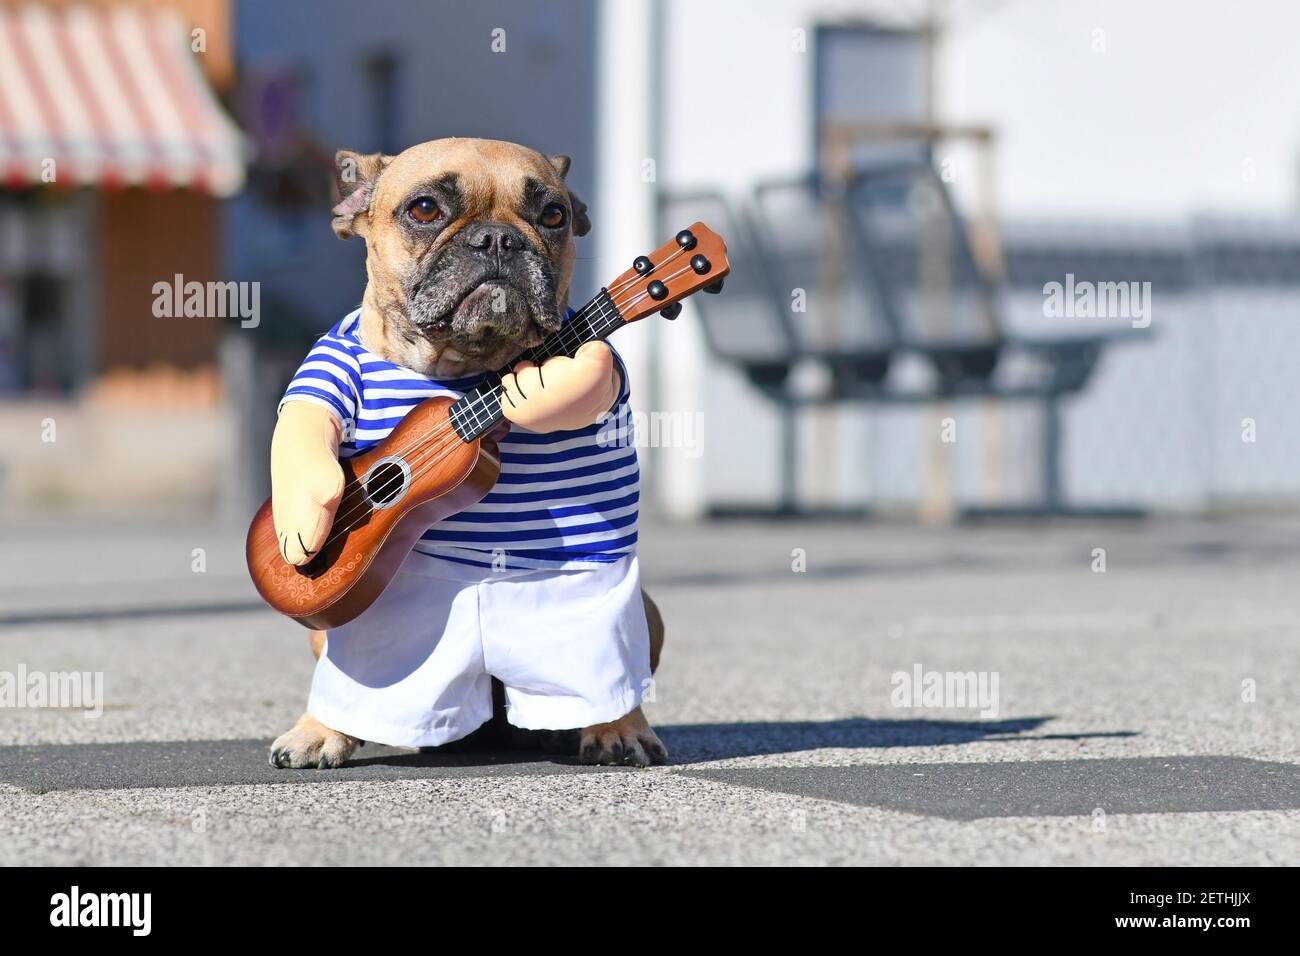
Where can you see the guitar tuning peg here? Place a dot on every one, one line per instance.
(671, 312)
(714, 288)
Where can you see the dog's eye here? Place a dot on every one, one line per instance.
(553, 216)
(424, 209)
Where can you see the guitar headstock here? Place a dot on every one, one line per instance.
(694, 259)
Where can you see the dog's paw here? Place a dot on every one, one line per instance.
(311, 744)
(628, 741)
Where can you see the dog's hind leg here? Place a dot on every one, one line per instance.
(637, 742)
(630, 739)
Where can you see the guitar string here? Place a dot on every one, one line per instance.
(657, 265)
(442, 444)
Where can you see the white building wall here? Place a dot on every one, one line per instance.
(1172, 109)
(1187, 105)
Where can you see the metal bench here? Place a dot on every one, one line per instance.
(841, 277)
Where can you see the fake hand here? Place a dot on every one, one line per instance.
(306, 479)
(564, 393)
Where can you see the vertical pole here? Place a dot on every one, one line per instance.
(789, 503)
(1052, 496)
(245, 454)
(625, 200)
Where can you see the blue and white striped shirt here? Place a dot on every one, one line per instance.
(563, 499)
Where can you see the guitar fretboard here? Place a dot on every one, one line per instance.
(478, 410)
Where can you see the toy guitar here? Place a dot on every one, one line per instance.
(441, 458)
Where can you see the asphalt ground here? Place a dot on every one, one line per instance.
(1144, 714)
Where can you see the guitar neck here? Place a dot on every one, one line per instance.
(478, 410)
(696, 258)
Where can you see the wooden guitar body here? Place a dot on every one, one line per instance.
(417, 476)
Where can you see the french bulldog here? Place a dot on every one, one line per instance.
(470, 246)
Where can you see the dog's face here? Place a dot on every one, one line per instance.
(469, 250)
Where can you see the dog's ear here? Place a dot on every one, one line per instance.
(561, 163)
(355, 174)
(581, 222)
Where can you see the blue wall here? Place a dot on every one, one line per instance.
(449, 82)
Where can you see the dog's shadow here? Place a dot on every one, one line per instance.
(691, 743)
(697, 743)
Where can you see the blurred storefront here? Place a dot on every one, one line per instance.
(115, 154)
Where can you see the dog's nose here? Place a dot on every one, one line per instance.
(497, 237)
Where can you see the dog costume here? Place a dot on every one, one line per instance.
(537, 585)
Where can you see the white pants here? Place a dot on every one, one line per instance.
(415, 669)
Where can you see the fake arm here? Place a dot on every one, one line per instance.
(564, 393)
(306, 478)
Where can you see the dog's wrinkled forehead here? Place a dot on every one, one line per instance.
(492, 177)
(479, 179)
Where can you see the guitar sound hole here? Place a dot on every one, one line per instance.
(385, 482)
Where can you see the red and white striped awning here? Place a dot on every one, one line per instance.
(109, 96)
